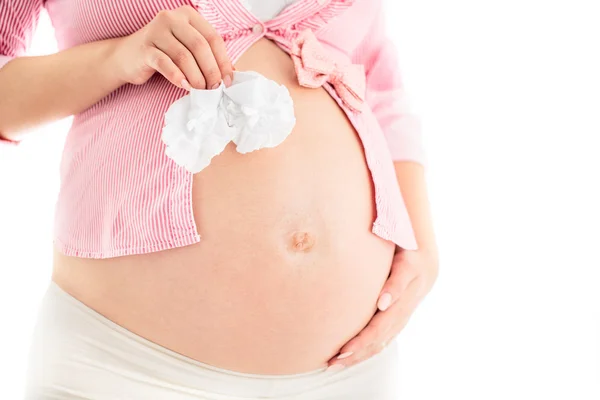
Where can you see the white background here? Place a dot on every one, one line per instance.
(509, 96)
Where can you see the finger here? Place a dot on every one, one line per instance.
(382, 327)
(403, 307)
(362, 355)
(217, 45)
(401, 276)
(160, 62)
(377, 329)
(202, 53)
(182, 57)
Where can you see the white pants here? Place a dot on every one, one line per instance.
(79, 354)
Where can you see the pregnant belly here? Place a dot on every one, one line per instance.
(287, 270)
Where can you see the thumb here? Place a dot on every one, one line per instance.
(396, 284)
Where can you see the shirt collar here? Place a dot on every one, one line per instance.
(239, 17)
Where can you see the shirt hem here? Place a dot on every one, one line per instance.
(395, 237)
(187, 240)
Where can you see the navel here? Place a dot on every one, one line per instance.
(302, 241)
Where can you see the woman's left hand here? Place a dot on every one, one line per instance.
(412, 275)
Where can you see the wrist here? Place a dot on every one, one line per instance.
(429, 248)
(112, 62)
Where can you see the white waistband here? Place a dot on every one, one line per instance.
(79, 352)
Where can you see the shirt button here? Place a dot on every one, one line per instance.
(258, 28)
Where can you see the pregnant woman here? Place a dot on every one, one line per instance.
(280, 273)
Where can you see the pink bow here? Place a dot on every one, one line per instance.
(314, 68)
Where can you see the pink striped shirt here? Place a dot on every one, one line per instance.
(121, 195)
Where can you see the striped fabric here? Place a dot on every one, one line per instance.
(121, 195)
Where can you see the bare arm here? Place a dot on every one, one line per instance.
(411, 178)
(37, 90)
(179, 44)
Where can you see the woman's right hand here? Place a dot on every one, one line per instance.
(180, 45)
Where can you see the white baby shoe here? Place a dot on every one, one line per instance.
(254, 113)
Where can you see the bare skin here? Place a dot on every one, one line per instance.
(287, 271)
(180, 45)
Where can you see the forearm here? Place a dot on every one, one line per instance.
(411, 178)
(37, 90)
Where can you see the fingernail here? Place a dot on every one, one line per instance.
(345, 355)
(186, 85)
(215, 86)
(227, 80)
(335, 368)
(384, 301)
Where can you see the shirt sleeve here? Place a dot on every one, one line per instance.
(386, 94)
(18, 21)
